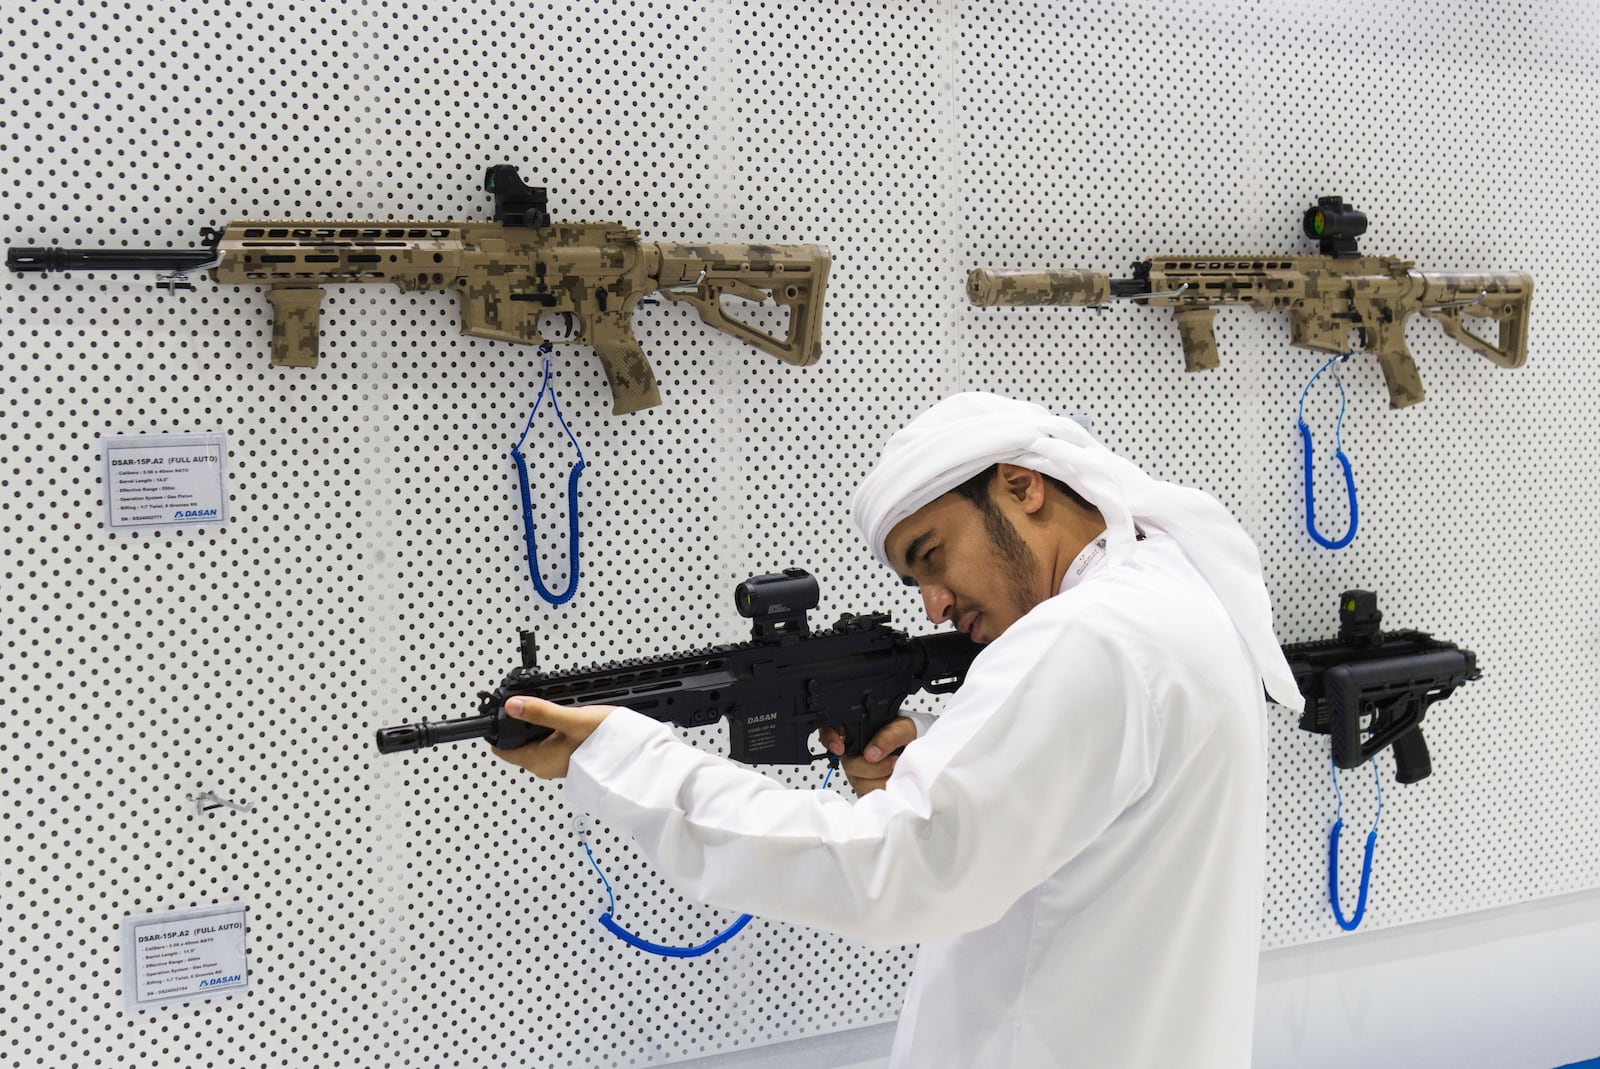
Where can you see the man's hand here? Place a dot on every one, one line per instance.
(871, 771)
(549, 757)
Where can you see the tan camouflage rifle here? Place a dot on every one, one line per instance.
(1326, 296)
(509, 273)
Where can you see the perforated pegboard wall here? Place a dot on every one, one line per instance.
(431, 910)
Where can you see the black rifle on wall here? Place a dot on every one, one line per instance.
(1367, 689)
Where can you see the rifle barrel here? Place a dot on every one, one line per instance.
(420, 736)
(55, 258)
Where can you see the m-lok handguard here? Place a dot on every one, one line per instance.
(775, 690)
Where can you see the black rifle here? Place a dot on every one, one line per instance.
(774, 690)
(1388, 678)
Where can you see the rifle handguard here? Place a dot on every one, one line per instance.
(775, 691)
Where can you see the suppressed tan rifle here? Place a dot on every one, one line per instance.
(509, 273)
(1326, 296)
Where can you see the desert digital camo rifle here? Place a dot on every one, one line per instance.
(774, 690)
(1368, 689)
(1326, 296)
(509, 273)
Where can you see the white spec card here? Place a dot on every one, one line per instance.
(165, 480)
(179, 955)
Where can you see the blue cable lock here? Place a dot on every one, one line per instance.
(1338, 452)
(608, 919)
(1366, 861)
(527, 501)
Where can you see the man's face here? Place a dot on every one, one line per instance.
(971, 565)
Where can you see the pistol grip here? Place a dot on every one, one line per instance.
(296, 321)
(633, 383)
(1388, 341)
(1411, 761)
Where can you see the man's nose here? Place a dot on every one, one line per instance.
(937, 602)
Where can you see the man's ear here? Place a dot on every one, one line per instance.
(1023, 485)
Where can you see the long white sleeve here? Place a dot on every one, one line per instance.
(1051, 736)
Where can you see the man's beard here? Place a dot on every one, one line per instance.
(1018, 564)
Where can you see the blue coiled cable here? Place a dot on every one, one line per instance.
(1366, 861)
(546, 389)
(608, 919)
(1338, 452)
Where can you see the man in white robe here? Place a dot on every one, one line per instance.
(1078, 840)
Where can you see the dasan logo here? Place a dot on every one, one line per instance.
(195, 514)
(219, 981)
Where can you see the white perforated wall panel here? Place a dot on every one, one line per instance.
(432, 910)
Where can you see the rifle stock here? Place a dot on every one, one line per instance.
(793, 277)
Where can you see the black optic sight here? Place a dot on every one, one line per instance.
(777, 604)
(515, 202)
(1336, 225)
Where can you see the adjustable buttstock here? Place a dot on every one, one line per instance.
(1505, 298)
(794, 277)
(1395, 692)
(296, 320)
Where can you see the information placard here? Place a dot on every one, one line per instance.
(183, 954)
(165, 480)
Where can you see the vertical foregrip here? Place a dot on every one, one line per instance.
(296, 323)
(1197, 331)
